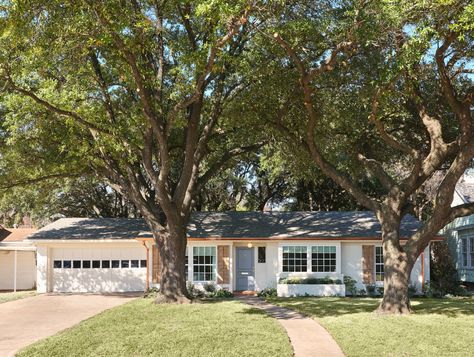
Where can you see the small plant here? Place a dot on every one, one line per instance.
(351, 285)
(412, 290)
(222, 294)
(210, 288)
(361, 292)
(267, 292)
(310, 281)
(380, 290)
(152, 292)
(371, 289)
(194, 292)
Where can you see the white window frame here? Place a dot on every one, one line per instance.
(466, 252)
(378, 264)
(213, 265)
(337, 273)
(324, 259)
(295, 247)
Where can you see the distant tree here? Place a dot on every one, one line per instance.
(47, 201)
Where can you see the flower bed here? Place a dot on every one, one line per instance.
(288, 287)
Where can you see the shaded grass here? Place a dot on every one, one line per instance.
(140, 328)
(439, 327)
(10, 296)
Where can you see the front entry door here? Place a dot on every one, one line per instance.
(244, 269)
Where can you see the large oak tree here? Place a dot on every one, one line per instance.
(383, 90)
(132, 92)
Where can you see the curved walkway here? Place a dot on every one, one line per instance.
(307, 337)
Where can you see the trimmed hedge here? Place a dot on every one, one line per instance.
(310, 281)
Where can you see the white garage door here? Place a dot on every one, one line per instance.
(99, 269)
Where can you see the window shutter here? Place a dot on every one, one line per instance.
(156, 269)
(368, 264)
(223, 264)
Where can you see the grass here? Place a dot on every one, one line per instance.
(140, 328)
(10, 296)
(439, 327)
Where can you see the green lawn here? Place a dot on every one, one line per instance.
(439, 327)
(140, 328)
(5, 297)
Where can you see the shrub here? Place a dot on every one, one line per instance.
(380, 290)
(412, 290)
(210, 288)
(351, 285)
(371, 289)
(222, 294)
(268, 292)
(310, 281)
(443, 270)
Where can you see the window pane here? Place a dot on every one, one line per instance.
(125, 263)
(134, 263)
(86, 264)
(115, 263)
(58, 264)
(66, 264)
(76, 264)
(262, 254)
(96, 264)
(105, 264)
(142, 263)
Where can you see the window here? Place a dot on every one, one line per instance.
(115, 264)
(186, 265)
(204, 263)
(467, 248)
(66, 264)
(295, 259)
(262, 254)
(323, 259)
(125, 263)
(134, 264)
(86, 264)
(76, 264)
(378, 264)
(96, 264)
(58, 264)
(105, 264)
(142, 263)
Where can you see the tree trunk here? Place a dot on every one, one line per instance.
(397, 270)
(172, 250)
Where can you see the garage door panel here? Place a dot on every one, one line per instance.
(101, 279)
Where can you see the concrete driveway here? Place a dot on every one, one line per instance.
(25, 321)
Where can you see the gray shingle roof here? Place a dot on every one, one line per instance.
(237, 225)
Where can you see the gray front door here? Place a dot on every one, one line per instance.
(244, 269)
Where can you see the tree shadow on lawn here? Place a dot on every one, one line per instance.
(450, 307)
(334, 307)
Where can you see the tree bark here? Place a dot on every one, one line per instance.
(172, 250)
(397, 269)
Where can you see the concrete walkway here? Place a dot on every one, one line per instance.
(308, 338)
(25, 321)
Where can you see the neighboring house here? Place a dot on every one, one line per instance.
(460, 232)
(17, 259)
(234, 250)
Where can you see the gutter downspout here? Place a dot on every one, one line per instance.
(147, 285)
(15, 264)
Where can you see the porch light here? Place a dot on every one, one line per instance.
(249, 245)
